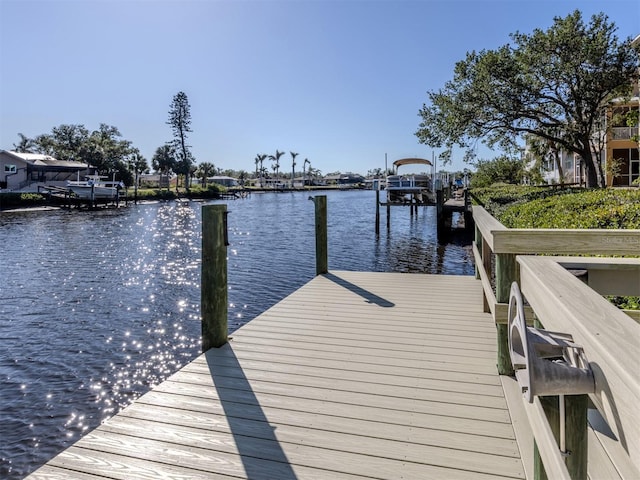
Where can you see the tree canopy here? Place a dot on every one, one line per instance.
(551, 84)
(502, 169)
(104, 149)
(180, 122)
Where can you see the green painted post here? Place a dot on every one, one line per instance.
(575, 434)
(506, 274)
(213, 303)
(322, 263)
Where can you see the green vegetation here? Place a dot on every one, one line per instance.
(103, 149)
(551, 84)
(13, 200)
(543, 207)
(180, 122)
(25, 200)
(625, 303)
(499, 170)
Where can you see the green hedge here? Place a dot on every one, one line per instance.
(536, 207)
(13, 200)
(604, 208)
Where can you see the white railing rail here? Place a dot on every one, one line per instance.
(565, 303)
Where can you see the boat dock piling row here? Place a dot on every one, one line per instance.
(445, 204)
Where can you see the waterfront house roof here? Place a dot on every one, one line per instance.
(45, 161)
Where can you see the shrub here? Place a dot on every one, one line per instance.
(11, 200)
(604, 208)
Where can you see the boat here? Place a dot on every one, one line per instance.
(94, 187)
(410, 188)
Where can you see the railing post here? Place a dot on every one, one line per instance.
(506, 274)
(478, 241)
(213, 303)
(575, 434)
(322, 263)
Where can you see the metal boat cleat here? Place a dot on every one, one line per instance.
(545, 363)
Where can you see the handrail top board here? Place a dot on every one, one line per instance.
(597, 263)
(611, 340)
(559, 241)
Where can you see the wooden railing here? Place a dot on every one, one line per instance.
(564, 301)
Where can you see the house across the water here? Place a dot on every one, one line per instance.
(25, 172)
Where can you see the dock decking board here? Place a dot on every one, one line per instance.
(354, 375)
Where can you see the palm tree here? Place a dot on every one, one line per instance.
(306, 161)
(276, 159)
(261, 157)
(26, 145)
(242, 176)
(164, 161)
(138, 164)
(293, 167)
(205, 170)
(314, 172)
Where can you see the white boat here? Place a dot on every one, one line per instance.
(409, 188)
(94, 187)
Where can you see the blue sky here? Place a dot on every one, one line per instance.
(339, 82)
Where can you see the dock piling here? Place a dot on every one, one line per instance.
(322, 262)
(213, 303)
(377, 212)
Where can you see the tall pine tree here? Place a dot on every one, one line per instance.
(180, 122)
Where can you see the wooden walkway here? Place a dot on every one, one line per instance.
(354, 375)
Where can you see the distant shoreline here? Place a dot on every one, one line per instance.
(34, 207)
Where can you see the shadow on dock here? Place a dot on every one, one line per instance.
(253, 435)
(366, 294)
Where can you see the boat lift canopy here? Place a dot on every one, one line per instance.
(410, 161)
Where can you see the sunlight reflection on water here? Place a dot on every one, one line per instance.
(100, 306)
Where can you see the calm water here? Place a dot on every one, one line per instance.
(97, 307)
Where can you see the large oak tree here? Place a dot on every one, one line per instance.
(552, 84)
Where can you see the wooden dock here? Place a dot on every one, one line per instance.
(354, 375)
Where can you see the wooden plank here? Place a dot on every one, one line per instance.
(236, 401)
(297, 372)
(315, 448)
(216, 417)
(413, 344)
(286, 362)
(411, 361)
(607, 458)
(487, 225)
(607, 275)
(422, 405)
(545, 441)
(567, 241)
(466, 330)
(283, 382)
(248, 457)
(520, 422)
(489, 296)
(555, 241)
(474, 364)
